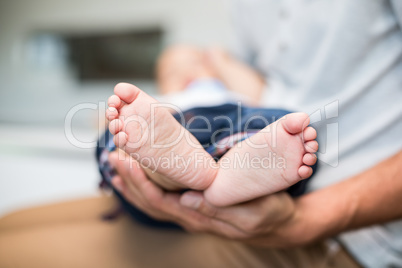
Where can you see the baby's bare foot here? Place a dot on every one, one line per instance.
(148, 132)
(272, 160)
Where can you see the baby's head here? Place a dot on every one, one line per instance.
(179, 65)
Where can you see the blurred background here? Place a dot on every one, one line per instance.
(55, 55)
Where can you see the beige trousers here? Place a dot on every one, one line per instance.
(73, 234)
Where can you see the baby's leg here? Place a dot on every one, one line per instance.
(272, 160)
(151, 135)
(236, 75)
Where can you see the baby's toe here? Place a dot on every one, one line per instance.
(120, 139)
(114, 101)
(115, 126)
(309, 159)
(111, 113)
(295, 122)
(305, 172)
(309, 134)
(311, 146)
(126, 92)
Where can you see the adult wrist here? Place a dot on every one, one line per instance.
(320, 215)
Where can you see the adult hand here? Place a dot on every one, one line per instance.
(268, 221)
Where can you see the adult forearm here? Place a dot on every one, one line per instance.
(371, 197)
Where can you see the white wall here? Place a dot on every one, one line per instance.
(53, 89)
(37, 163)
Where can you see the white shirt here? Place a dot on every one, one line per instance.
(340, 60)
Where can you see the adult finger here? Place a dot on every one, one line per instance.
(255, 217)
(144, 194)
(129, 173)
